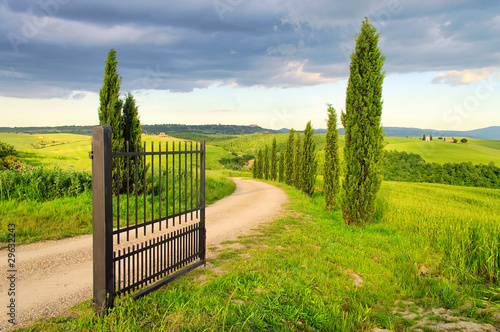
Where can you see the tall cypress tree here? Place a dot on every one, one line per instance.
(254, 168)
(309, 164)
(110, 107)
(281, 166)
(289, 158)
(266, 163)
(260, 165)
(131, 133)
(274, 161)
(109, 99)
(332, 160)
(363, 131)
(297, 167)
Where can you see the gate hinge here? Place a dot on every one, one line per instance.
(91, 154)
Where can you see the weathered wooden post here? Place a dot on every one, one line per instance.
(102, 219)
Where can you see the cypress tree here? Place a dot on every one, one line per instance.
(259, 165)
(131, 133)
(297, 167)
(332, 160)
(109, 103)
(282, 166)
(254, 168)
(309, 163)
(289, 158)
(110, 107)
(363, 132)
(266, 163)
(274, 161)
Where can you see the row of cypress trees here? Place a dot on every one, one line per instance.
(123, 117)
(296, 166)
(361, 170)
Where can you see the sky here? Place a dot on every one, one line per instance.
(273, 63)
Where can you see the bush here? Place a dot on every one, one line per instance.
(42, 184)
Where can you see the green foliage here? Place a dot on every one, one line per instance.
(463, 140)
(308, 163)
(265, 170)
(282, 166)
(254, 169)
(109, 103)
(8, 157)
(274, 161)
(42, 184)
(131, 135)
(297, 163)
(7, 150)
(411, 167)
(363, 132)
(331, 171)
(260, 164)
(289, 155)
(236, 162)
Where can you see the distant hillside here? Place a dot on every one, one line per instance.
(212, 129)
(489, 133)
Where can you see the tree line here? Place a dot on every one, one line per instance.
(411, 167)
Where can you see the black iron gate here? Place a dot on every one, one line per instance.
(148, 215)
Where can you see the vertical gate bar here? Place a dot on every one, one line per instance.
(152, 187)
(118, 190)
(165, 257)
(128, 190)
(191, 177)
(134, 269)
(197, 188)
(136, 176)
(153, 249)
(102, 219)
(128, 266)
(157, 248)
(144, 188)
(150, 261)
(185, 181)
(117, 281)
(180, 178)
(159, 190)
(173, 183)
(202, 203)
(166, 184)
(142, 262)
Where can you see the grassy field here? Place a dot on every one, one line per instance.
(475, 151)
(308, 271)
(72, 151)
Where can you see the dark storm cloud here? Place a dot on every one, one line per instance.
(49, 48)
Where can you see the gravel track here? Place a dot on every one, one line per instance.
(53, 276)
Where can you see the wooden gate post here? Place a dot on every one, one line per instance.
(102, 219)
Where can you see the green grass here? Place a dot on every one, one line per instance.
(298, 273)
(475, 151)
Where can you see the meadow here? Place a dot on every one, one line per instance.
(429, 246)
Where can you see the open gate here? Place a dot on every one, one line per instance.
(148, 215)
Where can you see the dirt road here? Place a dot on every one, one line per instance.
(55, 275)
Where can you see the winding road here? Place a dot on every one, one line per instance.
(53, 276)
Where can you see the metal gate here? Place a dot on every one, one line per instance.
(148, 215)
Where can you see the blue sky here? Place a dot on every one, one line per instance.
(274, 63)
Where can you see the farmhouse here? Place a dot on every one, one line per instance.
(427, 138)
(449, 140)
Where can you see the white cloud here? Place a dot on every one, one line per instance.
(461, 77)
